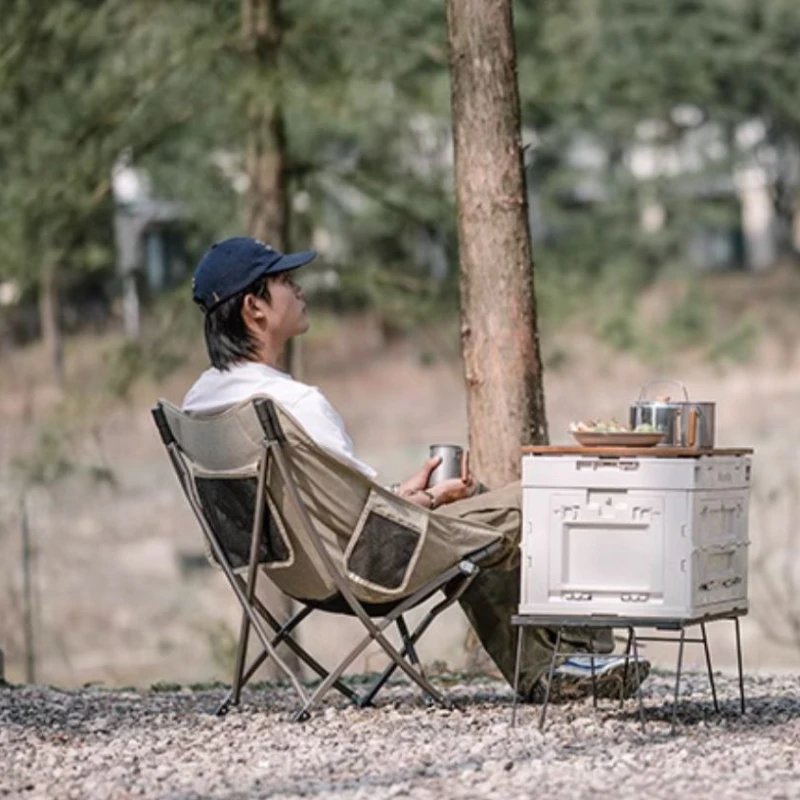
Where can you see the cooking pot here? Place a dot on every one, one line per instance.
(684, 423)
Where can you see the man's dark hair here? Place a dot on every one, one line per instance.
(227, 337)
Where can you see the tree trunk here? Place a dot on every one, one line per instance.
(267, 194)
(267, 204)
(267, 201)
(499, 338)
(50, 321)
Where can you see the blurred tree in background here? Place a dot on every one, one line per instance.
(80, 80)
(638, 117)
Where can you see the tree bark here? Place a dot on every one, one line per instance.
(499, 337)
(267, 203)
(50, 321)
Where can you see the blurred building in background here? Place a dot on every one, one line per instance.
(148, 234)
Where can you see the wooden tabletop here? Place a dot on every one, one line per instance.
(666, 451)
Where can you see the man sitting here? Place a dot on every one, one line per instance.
(252, 308)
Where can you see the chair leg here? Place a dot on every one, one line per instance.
(234, 694)
(283, 635)
(408, 647)
(375, 634)
(408, 644)
(420, 680)
(251, 612)
(244, 636)
(449, 600)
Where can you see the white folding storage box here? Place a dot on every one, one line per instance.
(640, 536)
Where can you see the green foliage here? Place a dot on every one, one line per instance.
(600, 78)
(619, 331)
(79, 83)
(688, 319)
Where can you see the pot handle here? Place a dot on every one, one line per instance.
(647, 385)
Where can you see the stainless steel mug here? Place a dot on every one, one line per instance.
(452, 459)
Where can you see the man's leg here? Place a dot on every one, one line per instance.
(493, 597)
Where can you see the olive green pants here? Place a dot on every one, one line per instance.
(493, 597)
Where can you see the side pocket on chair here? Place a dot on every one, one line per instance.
(228, 504)
(386, 543)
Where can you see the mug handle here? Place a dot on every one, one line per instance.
(694, 414)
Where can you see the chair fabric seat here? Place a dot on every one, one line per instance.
(387, 547)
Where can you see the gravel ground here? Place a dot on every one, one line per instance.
(98, 743)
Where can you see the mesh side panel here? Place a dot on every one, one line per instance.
(383, 551)
(229, 507)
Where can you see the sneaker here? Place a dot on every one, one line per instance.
(572, 678)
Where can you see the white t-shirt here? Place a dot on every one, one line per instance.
(215, 390)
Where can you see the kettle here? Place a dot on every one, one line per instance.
(684, 423)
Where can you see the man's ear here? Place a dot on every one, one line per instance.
(253, 310)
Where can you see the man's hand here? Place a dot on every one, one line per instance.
(452, 490)
(416, 483)
(414, 489)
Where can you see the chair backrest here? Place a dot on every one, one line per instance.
(386, 547)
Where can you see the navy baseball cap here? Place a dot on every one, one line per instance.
(230, 266)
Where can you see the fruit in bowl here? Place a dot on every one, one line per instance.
(610, 432)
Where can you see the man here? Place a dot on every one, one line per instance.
(252, 308)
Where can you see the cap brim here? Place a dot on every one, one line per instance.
(292, 261)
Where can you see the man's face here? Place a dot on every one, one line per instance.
(286, 313)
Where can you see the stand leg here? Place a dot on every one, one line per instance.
(739, 663)
(594, 682)
(556, 653)
(625, 670)
(516, 677)
(708, 666)
(636, 673)
(677, 681)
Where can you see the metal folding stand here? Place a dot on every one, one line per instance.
(560, 623)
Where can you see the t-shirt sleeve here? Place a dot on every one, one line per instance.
(324, 425)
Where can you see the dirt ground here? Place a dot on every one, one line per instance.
(122, 595)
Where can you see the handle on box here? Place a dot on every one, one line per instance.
(647, 385)
(601, 463)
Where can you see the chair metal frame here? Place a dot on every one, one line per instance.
(270, 631)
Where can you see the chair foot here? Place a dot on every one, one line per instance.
(301, 716)
(223, 708)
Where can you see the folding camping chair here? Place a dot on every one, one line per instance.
(270, 500)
